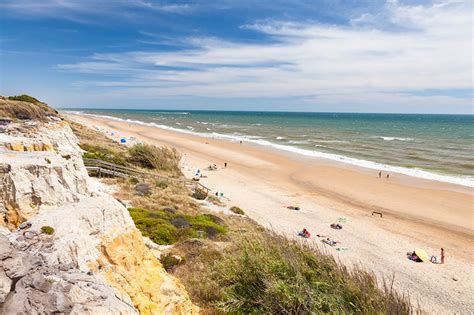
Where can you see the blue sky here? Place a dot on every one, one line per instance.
(319, 55)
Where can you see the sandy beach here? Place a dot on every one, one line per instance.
(417, 213)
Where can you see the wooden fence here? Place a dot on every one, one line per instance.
(102, 168)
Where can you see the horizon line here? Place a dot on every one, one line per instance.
(263, 111)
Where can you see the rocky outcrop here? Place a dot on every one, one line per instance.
(95, 261)
(32, 179)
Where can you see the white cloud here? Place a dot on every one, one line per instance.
(404, 48)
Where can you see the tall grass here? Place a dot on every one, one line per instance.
(264, 273)
(153, 157)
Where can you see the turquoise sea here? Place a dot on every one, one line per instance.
(438, 147)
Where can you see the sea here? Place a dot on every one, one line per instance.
(436, 147)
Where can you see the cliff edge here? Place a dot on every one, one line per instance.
(65, 247)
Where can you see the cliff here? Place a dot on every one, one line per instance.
(93, 260)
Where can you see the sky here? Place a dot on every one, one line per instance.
(293, 55)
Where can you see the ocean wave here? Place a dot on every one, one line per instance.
(415, 172)
(394, 138)
(173, 113)
(298, 142)
(280, 138)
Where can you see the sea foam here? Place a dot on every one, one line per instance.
(415, 172)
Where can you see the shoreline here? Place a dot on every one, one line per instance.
(459, 180)
(416, 212)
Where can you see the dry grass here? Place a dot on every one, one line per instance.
(156, 158)
(21, 110)
(264, 273)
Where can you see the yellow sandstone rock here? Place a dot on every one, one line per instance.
(47, 147)
(29, 147)
(15, 147)
(130, 267)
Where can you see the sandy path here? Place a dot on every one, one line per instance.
(417, 213)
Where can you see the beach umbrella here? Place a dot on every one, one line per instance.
(123, 140)
(421, 254)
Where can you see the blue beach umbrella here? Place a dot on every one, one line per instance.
(123, 140)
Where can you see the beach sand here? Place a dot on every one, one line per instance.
(417, 213)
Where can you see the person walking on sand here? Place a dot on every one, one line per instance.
(388, 176)
(225, 164)
(442, 255)
(380, 174)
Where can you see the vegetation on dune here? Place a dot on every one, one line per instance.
(25, 107)
(150, 157)
(46, 229)
(24, 98)
(153, 157)
(164, 227)
(264, 273)
(102, 153)
(237, 210)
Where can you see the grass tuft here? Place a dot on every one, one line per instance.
(46, 229)
(237, 210)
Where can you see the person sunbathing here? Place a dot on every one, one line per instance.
(414, 257)
(293, 207)
(330, 242)
(305, 233)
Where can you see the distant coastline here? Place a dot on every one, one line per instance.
(292, 145)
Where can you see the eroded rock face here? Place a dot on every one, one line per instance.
(29, 284)
(94, 262)
(30, 180)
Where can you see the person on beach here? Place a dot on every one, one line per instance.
(225, 164)
(380, 174)
(388, 176)
(442, 255)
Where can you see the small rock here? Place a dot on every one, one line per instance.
(180, 223)
(25, 225)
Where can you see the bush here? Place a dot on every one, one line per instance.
(161, 184)
(46, 229)
(102, 153)
(237, 210)
(199, 195)
(165, 228)
(170, 262)
(24, 98)
(153, 157)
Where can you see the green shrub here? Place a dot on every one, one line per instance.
(159, 227)
(102, 153)
(237, 210)
(163, 234)
(24, 98)
(199, 195)
(153, 157)
(161, 184)
(170, 262)
(46, 229)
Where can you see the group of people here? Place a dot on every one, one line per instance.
(324, 238)
(433, 259)
(380, 175)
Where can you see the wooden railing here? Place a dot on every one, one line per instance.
(102, 168)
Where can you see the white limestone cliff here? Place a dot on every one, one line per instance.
(95, 262)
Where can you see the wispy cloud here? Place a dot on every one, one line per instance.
(84, 11)
(419, 47)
